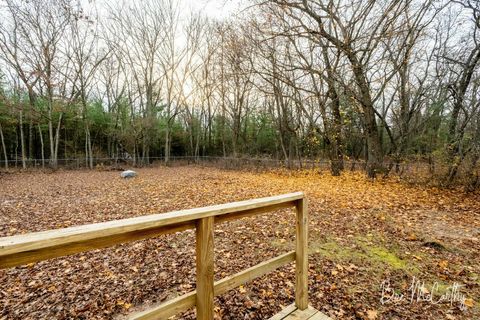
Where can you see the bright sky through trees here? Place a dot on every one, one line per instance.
(382, 82)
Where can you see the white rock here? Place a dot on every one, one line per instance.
(128, 174)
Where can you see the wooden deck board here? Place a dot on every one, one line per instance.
(292, 313)
(320, 316)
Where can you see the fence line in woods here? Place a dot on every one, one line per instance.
(418, 171)
(228, 162)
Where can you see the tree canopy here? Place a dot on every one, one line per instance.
(385, 82)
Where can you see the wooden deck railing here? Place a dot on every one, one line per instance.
(33, 247)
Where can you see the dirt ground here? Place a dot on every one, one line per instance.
(369, 242)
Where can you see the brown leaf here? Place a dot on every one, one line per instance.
(469, 302)
(443, 264)
(372, 314)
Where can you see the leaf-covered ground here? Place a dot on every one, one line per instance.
(362, 234)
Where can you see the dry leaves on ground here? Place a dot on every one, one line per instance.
(361, 234)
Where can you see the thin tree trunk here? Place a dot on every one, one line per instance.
(30, 138)
(135, 152)
(41, 145)
(224, 145)
(90, 151)
(31, 99)
(22, 141)
(56, 141)
(167, 144)
(3, 147)
(16, 148)
(88, 148)
(50, 136)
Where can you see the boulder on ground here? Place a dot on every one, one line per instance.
(128, 174)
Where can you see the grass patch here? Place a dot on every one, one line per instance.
(334, 251)
(474, 277)
(363, 251)
(382, 255)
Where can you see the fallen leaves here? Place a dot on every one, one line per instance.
(372, 314)
(443, 264)
(412, 237)
(123, 304)
(102, 284)
(469, 302)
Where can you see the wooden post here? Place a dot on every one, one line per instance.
(205, 268)
(301, 267)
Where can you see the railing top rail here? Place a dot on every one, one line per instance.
(30, 243)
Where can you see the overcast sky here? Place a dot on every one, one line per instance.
(215, 8)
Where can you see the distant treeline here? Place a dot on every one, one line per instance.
(383, 82)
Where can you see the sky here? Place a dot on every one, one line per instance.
(219, 9)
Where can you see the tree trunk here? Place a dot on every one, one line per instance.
(455, 132)
(90, 151)
(282, 144)
(56, 140)
(3, 147)
(88, 148)
(167, 145)
(375, 153)
(135, 153)
(30, 138)
(41, 145)
(375, 156)
(22, 141)
(31, 100)
(336, 149)
(50, 136)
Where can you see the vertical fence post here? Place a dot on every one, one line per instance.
(205, 265)
(301, 267)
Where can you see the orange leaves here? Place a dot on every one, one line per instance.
(351, 268)
(123, 304)
(134, 269)
(339, 269)
(411, 237)
(52, 288)
(372, 314)
(443, 264)
(469, 302)
(349, 211)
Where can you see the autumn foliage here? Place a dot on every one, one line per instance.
(361, 234)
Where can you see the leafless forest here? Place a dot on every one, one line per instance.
(384, 82)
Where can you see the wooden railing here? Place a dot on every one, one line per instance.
(33, 247)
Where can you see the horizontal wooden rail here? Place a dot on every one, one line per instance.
(188, 300)
(33, 247)
(37, 246)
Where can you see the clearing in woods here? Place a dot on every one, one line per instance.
(362, 234)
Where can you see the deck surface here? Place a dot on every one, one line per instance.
(292, 313)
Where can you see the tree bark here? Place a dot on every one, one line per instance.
(22, 140)
(3, 147)
(41, 145)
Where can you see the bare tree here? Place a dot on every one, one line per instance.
(37, 28)
(464, 65)
(356, 35)
(85, 55)
(17, 54)
(137, 31)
